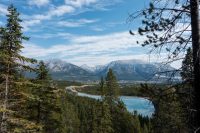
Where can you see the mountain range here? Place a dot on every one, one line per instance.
(125, 70)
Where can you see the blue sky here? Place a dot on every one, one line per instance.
(92, 32)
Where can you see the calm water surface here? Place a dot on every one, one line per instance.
(141, 105)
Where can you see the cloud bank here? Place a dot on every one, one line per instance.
(92, 50)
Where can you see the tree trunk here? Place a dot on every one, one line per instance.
(4, 115)
(38, 111)
(194, 8)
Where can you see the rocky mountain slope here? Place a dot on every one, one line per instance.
(134, 70)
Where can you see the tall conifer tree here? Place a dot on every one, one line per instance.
(112, 88)
(47, 102)
(11, 62)
(187, 67)
(105, 125)
(105, 118)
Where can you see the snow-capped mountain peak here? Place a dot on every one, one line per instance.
(136, 70)
(88, 68)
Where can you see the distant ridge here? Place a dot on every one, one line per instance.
(125, 70)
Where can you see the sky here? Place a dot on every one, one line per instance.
(92, 32)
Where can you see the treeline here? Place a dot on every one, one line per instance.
(91, 116)
(124, 90)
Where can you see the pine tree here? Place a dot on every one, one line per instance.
(187, 67)
(169, 116)
(145, 129)
(122, 120)
(42, 72)
(105, 125)
(112, 88)
(137, 126)
(45, 104)
(69, 118)
(102, 87)
(173, 33)
(187, 86)
(11, 62)
(104, 115)
(94, 119)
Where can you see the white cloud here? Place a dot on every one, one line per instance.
(94, 4)
(64, 35)
(55, 11)
(69, 7)
(81, 48)
(96, 28)
(80, 3)
(39, 3)
(3, 10)
(61, 10)
(119, 39)
(38, 18)
(27, 24)
(104, 59)
(76, 23)
(96, 50)
(31, 50)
